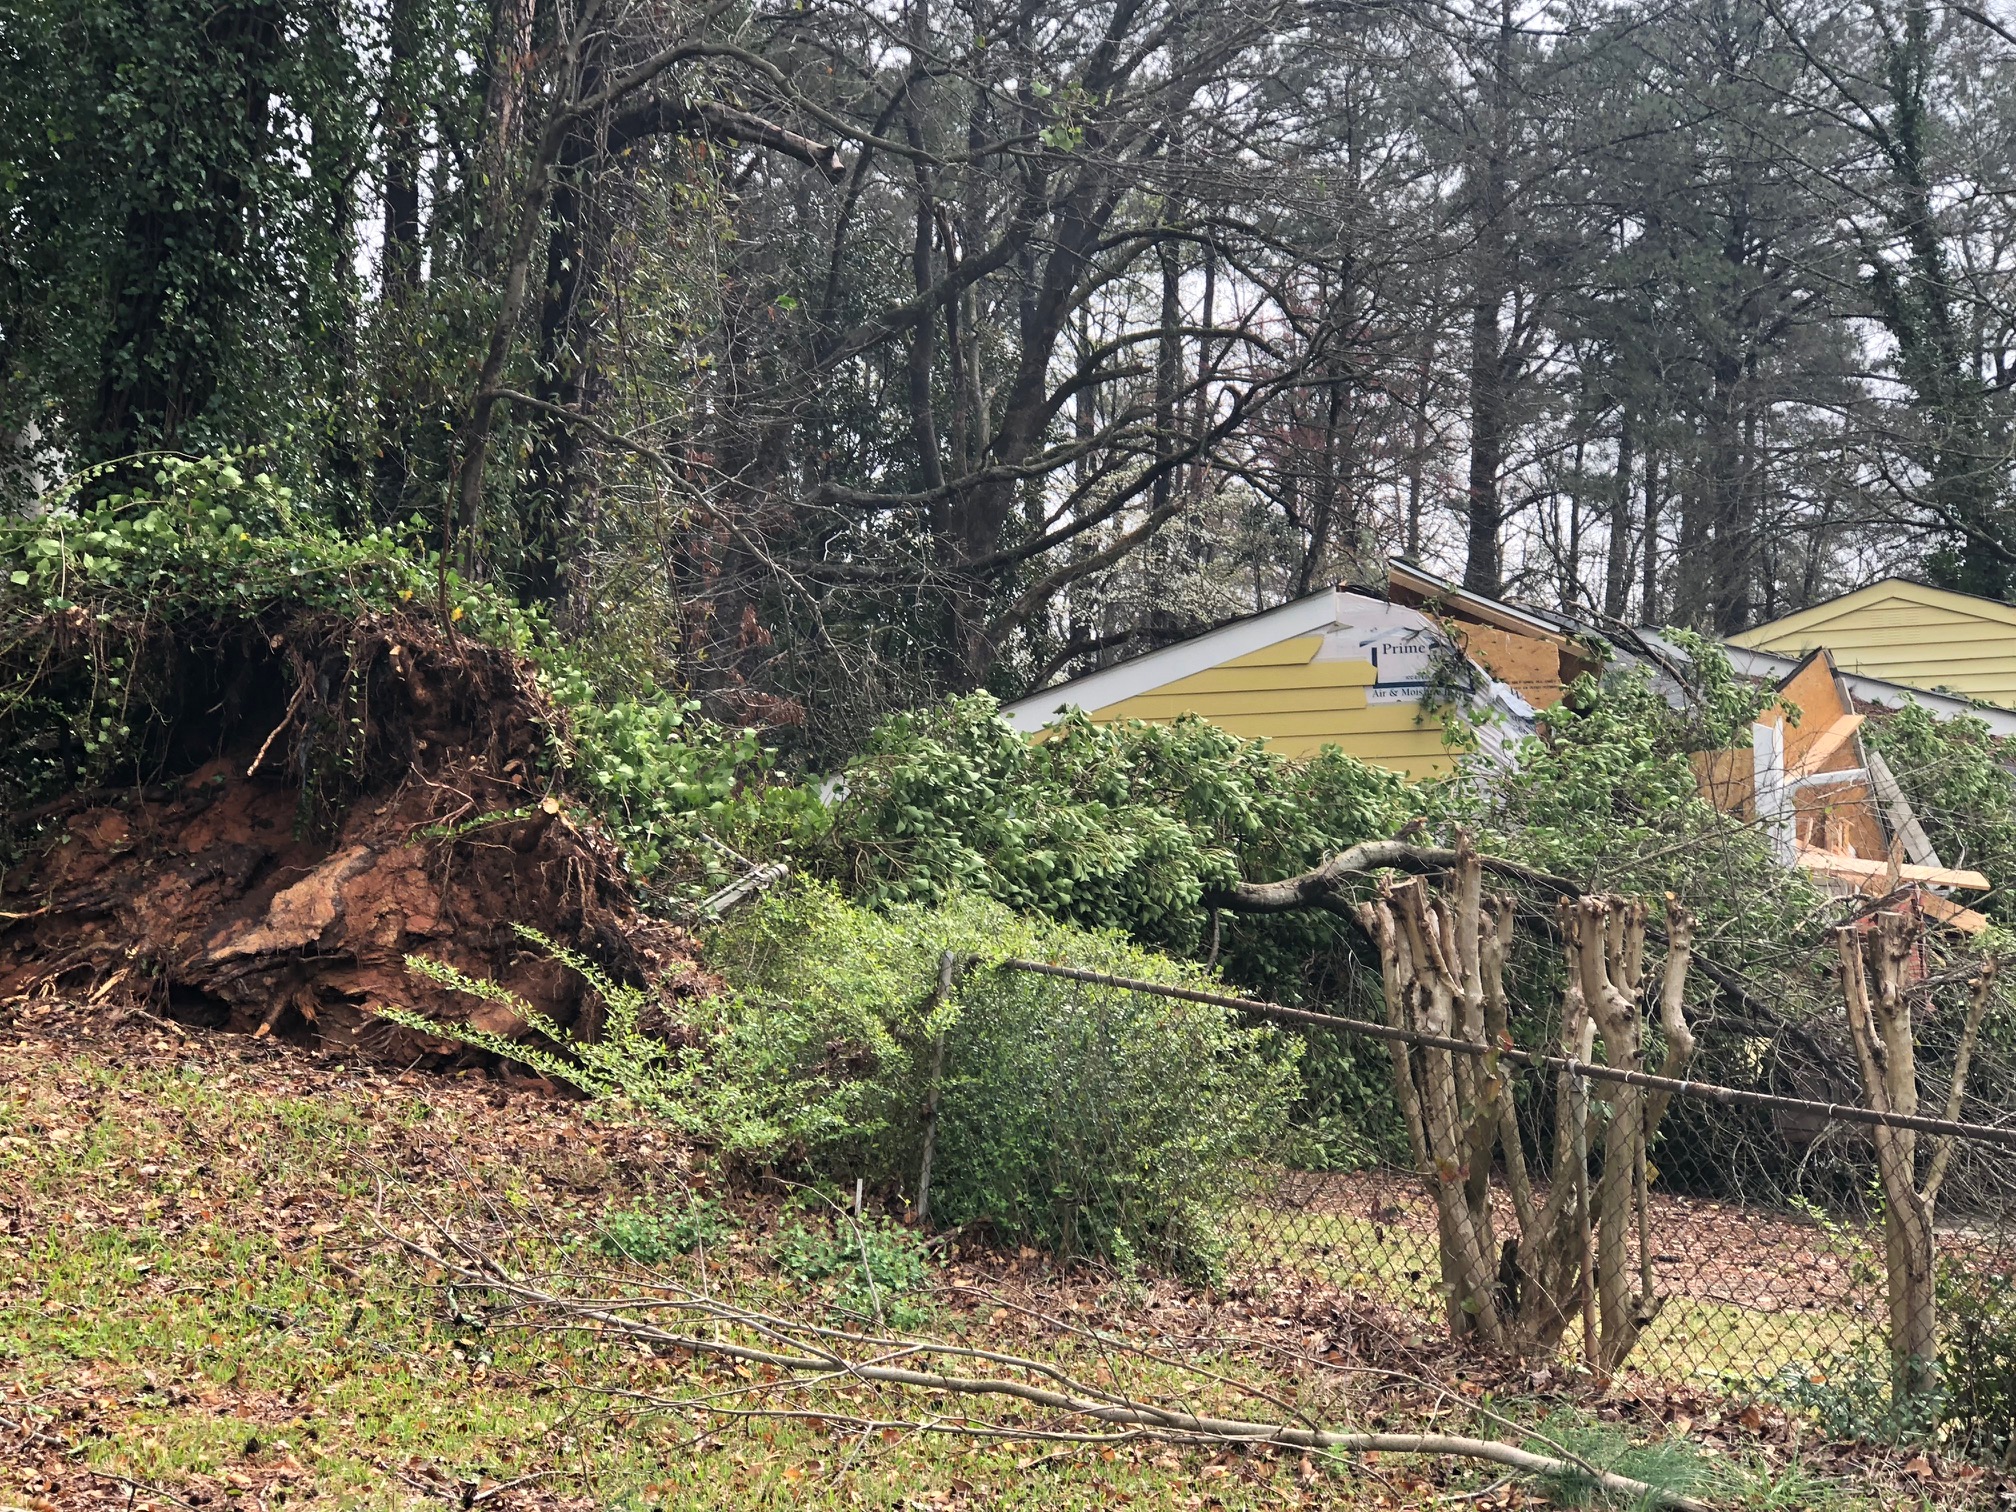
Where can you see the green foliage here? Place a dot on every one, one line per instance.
(1669, 1465)
(1079, 1118)
(622, 1061)
(1122, 827)
(178, 182)
(651, 1235)
(1847, 1395)
(868, 1268)
(1954, 773)
(1608, 780)
(1850, 1394)
(1977, 1357)
(221, 535)
(1607, 794)
(667, 783)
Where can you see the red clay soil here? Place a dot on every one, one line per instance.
(227, 896)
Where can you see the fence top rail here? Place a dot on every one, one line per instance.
(1735, 1097)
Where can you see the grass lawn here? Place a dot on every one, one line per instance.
(201, 1305)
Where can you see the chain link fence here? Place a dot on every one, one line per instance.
(1761, 1231)
(1746, 1292)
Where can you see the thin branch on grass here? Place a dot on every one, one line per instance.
(814, 1352)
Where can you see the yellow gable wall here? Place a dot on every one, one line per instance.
(1298, 706)
(1907, 633)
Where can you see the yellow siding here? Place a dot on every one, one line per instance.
(1298, 708)
(1889, 614)
(1337, 674)
(1892, 593)
(1287, 653)
(1160, 705)
(1906, 633)
(1931, 647)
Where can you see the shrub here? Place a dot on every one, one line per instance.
(623, 1061)
(653, 1235)
(870, 1269)
(1977, 1358)
(1847, 1395)
(1972, 1412)
(1083, 1119)
(1123, 827)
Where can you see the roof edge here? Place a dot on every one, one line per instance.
(1753, 662)
(1829, 609)
(1152, 669)
(1493, 611)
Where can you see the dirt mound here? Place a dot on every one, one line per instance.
(366, 790)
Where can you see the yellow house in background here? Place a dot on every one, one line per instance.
(1373, 674)
(1346, 668)
(1904, 632)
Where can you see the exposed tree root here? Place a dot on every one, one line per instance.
(360, 790)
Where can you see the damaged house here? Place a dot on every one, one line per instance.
(1379, 674)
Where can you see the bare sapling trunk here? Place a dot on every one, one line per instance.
(1432, 955)
(1605, 941)
(1876, 981)
(1551, 1259)
(1443, 955)
(1590, 1241)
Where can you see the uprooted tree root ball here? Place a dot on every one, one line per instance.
(309, 805)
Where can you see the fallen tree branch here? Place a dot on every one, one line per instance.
(800, 1350)
(1324, 887)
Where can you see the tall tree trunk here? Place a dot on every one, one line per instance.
(508, 60)
(1491, 286)
(923, 353)
(1722, 589)
(576, 250)
(178, 281)
(1691, 571)
(1483, 570)
(1570, 589)
(1649, 602)
(399, 254)
(1417, 449)
(399, 251)
(1323, 506)
(1617, 569)
(1168, 384)
(576, 246)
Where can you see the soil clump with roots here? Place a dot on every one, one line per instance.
(314, 803)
